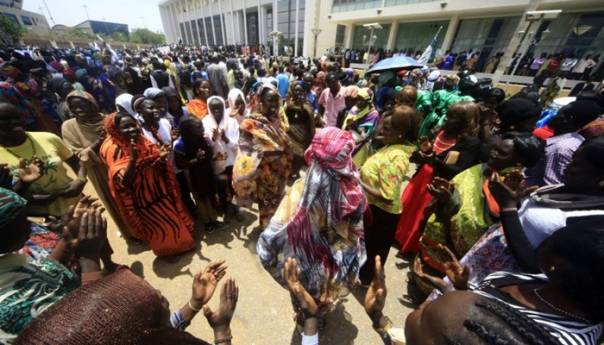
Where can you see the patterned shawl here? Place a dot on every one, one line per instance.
(320, 221)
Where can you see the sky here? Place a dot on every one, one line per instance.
(72, 12)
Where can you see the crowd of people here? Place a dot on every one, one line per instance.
(499, 212)
(586, 67)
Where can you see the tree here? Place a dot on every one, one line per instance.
(119, 36)
(79, 33)
(147, 36)
(10, 31)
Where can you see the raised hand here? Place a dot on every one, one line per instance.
(291, 273)
(133, 150)
(375, 298)
(441, 189)
(220, 320)
(505, 196)
(457, 273)
(205, 282)
(92, 234)
(164, 151)
(30, 170)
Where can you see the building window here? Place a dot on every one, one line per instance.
(202, 32)
(210, 32)
(26, 21)
(218, 29)
(361, 38)
(413, 37)
(11, 17)
(182, 33)
(188, 30)
(340, 35)
(194, 32)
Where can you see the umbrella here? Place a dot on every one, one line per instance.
(395, 62)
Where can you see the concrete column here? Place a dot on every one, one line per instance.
(222, 24)
(348, 36)
(261, 19)
(275, 27)
(244, 24)
(296, 28)
(213, 30)
(450, 34)
(235, 39)
(203, 20)
(392, 35)
(174, 22)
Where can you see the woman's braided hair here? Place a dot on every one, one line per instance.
(496, 323)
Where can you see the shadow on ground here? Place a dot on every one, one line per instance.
(338, 329)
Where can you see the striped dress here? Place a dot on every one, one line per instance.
(567, 331)
(151, 205)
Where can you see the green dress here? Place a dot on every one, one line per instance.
(461, 222)
(27, 288)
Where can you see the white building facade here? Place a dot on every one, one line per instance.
(242, 22)
(34, 23)
(484, 25)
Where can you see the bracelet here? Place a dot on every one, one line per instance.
(226, 340)
(509, 209)
(193, 308)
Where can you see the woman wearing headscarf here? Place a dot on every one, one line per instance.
(30, 285)
(123, 103)
(198, 106)
(223, 132)
(263, 163)
(193, 159)
(455, 148)
(144, 186)
(300, 117)
(237, 106)
(156, 129)
(123, 308)
(361, 121)
(83, 135)
(319, 222)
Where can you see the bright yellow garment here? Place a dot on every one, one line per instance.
(386, 171)
(53, 152)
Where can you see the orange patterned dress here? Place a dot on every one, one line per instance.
(151, 205)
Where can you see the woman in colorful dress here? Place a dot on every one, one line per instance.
(319, 222)
(454, 149)
(383, 177)
(144, 186)
(198, 106)
(84, 135)
(465, 208)
(264, 160)
(300, 117)
(361, 121)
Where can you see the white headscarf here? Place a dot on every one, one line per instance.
(234, 94)
(125, 101)
(222, 123)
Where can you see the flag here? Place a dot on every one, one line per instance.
(430, 49)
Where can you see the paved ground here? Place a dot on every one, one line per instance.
(264, 314)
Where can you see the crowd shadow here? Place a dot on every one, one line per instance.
(177, 265)
(338, 329)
